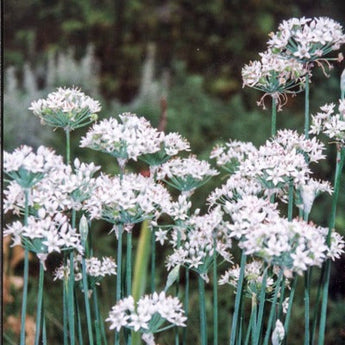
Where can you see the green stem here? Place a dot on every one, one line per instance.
(215, 293)
(186, 306)
(87, 302)
(39, 304)
(68, 145)
(97, 320)
(288, 313)
(238, 299)
(65, 303)
(129, 264)
(306, 107)
(118, 273)
(317, 304)
(153, 260)
(26, 272)
(307, 307)
(203, 325)
(273, 308)
(262, 298)
(80, 332)
(274, 117)
(44, 329)
(323, 314)
(290, 201)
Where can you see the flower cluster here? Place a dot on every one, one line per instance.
(307, 39)
(28, 168)
(275, 76)
(148, 316)
(66, 108)
(253, 275)
(195, 240)
(96, 269)
(132, 137)
(45, 235)
(330, 123)
(127, 200)
(186, 174)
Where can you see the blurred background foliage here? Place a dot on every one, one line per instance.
(139, 55)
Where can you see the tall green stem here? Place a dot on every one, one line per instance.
(273, 308)
(87, 302)
(306, 107)
(26, 271)
(118, 273)
(262, 298)
(215, 293)
(153, 260)
(203, 325)
(39, 304)
(68, 145)
(129, 264)
(306, 307)
(97, 319)
(274, 117)
(238, 299)
(186, 306)
(289, 309)
(337, 178)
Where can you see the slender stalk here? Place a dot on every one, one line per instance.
(44, 329)
(119, 273)
(153, 260)
(80, 332)
(129, 264)
(68, 145)
(317, 304)
(307, 307)
(87, 302)
(238, 300)
(306, 107)
(203, 325)
(215, 293)
(323, 313)
(262, 298)
(290, 201)
(274, 117)
(26, 271)
(288, 313)
(97, 320)
(65, 317)
(39, 304)
(186, 306)
(273, 308)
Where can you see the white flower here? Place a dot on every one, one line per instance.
(278, 333)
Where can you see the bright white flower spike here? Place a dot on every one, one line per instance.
(278, 333)
(68, 108)
(148, 316)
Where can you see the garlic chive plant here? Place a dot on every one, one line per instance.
(261, 208)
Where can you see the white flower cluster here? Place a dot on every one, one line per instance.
(96, 269)
(27, 168)
(132, 137)
(232, 153)
(185, 174)
(61, 189)
(293, 245)
(67, 108)
(330, 123)
(307, 39)
(253, 275)
(195, 240)
(127, 200)
(45, 235)
(148, 315)
(269, 169)
(274, 75)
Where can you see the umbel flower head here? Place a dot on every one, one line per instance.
(330, 123)
(96, 269)
(148, 316)
(275, 76)
(28, 168)
(66, 108)
(133, 137)
(307, 39)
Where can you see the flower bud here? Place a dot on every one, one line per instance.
(83, 228)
